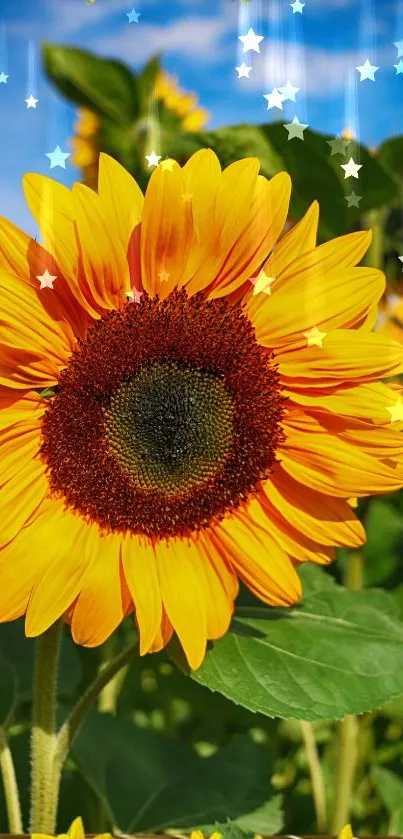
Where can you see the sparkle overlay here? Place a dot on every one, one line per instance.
(58, 158)
(166, 417)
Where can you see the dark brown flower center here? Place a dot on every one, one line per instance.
(166, 416)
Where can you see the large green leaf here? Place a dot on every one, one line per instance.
(374, 184)
(339, 652)
(391, 155)
(384, 528)
(390, 790)
(313, 178)
(149, 783)
(389, 787)
(104, 86)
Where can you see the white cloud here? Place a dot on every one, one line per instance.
(317, 72)
(195, 37)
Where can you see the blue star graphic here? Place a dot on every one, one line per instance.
(57, 157)
(133, 16)
(399, 45)
(399, 67)
(3, 78)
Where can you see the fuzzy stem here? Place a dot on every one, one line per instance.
(315, 771)
(74, 721)
(43, 737)
(11, 795)
(348, 728)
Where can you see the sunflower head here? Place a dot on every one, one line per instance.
(209, 401)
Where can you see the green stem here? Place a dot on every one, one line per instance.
(11, 795)
(43, 738)
(71, 726)
(348, 728)
(108, 697)
(315, 770)
(374, 220)
(347, 760)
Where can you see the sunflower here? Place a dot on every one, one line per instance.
(75, 831)
(85, 143)
(185, 403)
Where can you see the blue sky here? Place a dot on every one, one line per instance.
(317, 51)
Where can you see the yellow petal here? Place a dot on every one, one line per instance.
(265, 221)
(256, 556)
(166, 231)
(51, 204)
(121, 199)
(328, 301)
(184, 595)
(140, 569)
(328, 520)
(345, 355)
(103, 261)
(101, 604)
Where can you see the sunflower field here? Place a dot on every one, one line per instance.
(201, 582)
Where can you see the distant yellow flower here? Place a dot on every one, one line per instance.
(85, 143)
(197, 834)
(75, 831)
(346, 832)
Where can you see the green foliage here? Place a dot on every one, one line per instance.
(340, 652)
(148, 783)
(222, 748)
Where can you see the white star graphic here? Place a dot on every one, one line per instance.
(250, 41)
(351, 169)
(315, 337)
(367, 71)
(31, 101)
(243, 71)
(46, 280)
(274, 99)
(288, 91)
(295, 129)
(401, 259)
(153, 159)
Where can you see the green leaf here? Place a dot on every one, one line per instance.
(265, 821)
(376, 186)
(313, 178)
(388, 786)
(396, 822)
(150, 783)
(104, 86)
(390, 153)
(339, 652)
(384, 528)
